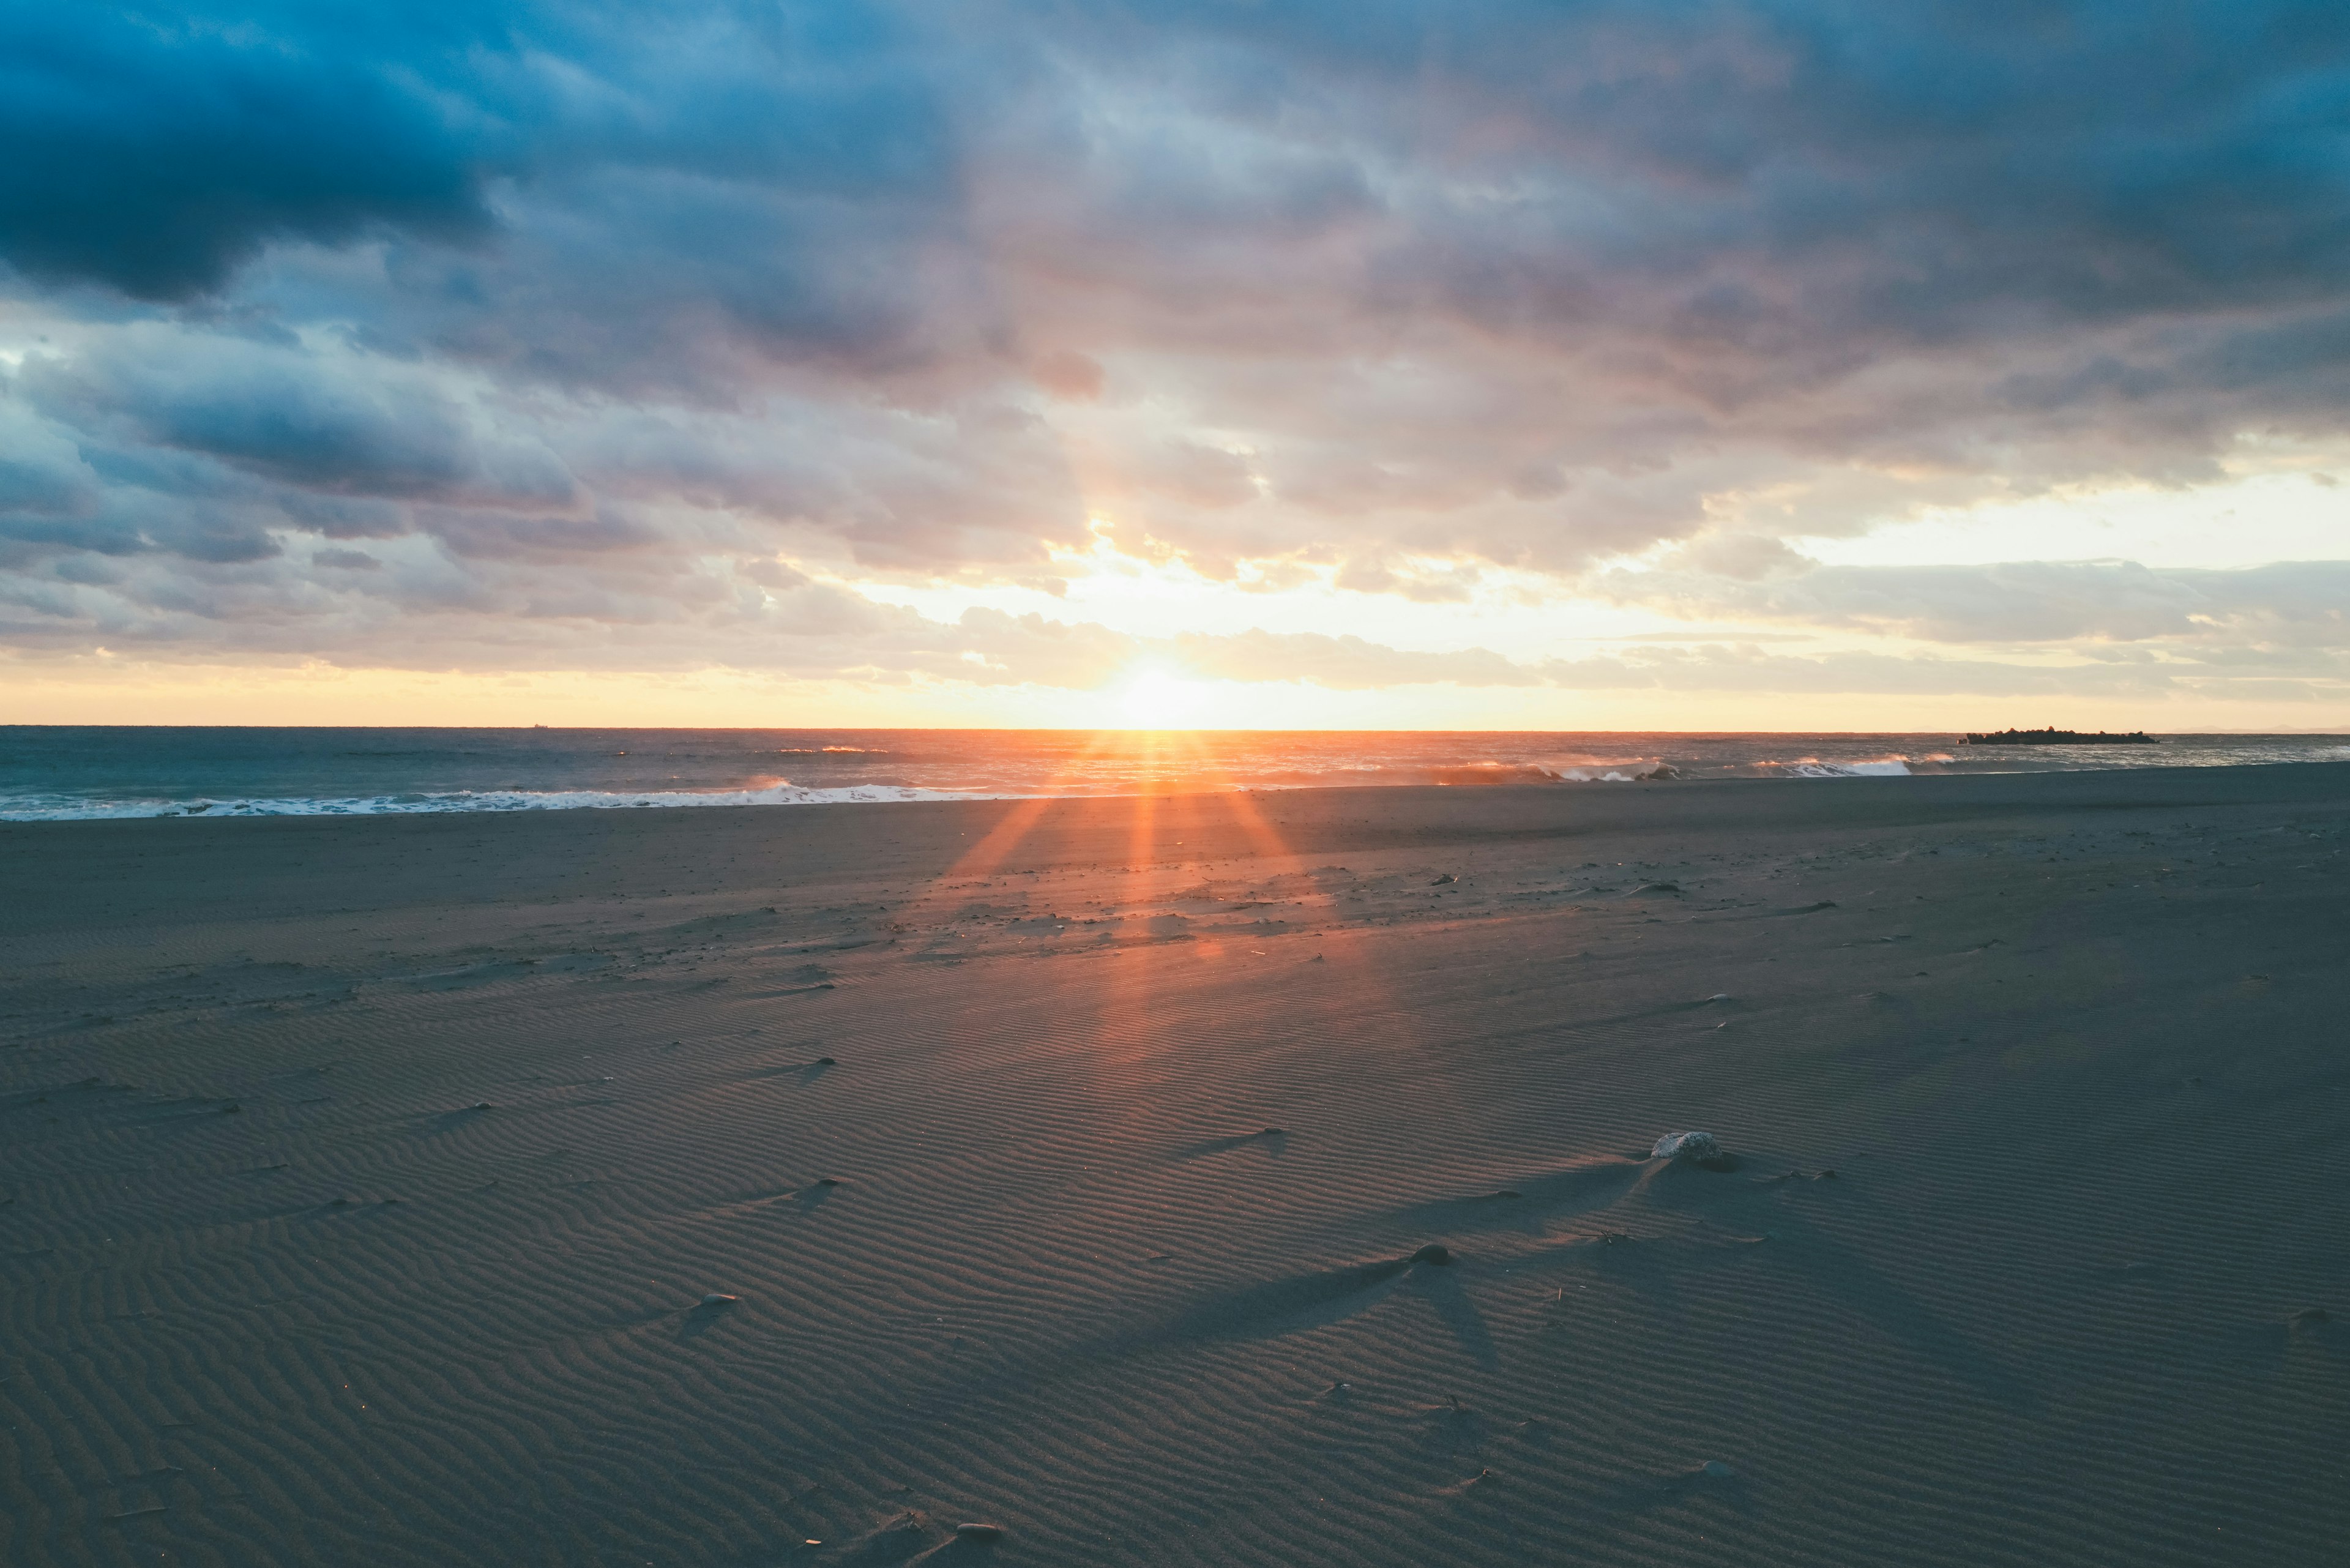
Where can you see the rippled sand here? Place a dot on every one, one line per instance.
(776, 1187)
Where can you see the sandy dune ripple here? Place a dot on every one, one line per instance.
(363, 1183)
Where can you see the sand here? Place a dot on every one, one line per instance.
(782, 1186)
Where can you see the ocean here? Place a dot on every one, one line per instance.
(53, 773)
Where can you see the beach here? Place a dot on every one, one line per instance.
(1235, 1178)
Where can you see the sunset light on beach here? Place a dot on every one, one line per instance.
(1174, 783)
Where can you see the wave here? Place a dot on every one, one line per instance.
(140, 774)
(52, 808)
(1812, 768)
(1640, 772)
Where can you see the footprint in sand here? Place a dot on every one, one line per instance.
(1274, 1140)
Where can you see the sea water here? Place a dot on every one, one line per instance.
(61, 772)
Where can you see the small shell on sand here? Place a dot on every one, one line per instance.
(1433, 1253)
(1696, 1147)
(979, 1531)
(717, 1299)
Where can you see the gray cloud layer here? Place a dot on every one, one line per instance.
(2304, 603)
(510, 329)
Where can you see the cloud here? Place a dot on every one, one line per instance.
(172, 147)
(2306, 602)
(564, 305)
(320, 424)
(1340, 663)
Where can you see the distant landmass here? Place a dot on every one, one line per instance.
(2062, 738)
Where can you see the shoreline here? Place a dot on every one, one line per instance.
(493, 803)
(102, 774)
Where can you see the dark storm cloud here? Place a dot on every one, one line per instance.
(1948, 169)
(764, 168)
(617, 293)
(154, 147)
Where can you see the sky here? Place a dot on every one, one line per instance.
(1513, 364)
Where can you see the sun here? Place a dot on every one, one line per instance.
(1158, 699)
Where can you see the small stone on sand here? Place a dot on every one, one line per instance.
(1714, 1469)
(481, 1104)
(1432, 1253)
(1719, 996)
(716, 1299)
(979, 1531)
(825, 1062)
(1698, 1147)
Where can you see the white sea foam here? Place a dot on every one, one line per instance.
(1812, 768)
(1598, 770)
(65, 774)
(1638, 770)
(56, 809)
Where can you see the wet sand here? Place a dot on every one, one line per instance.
(363, 1181)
